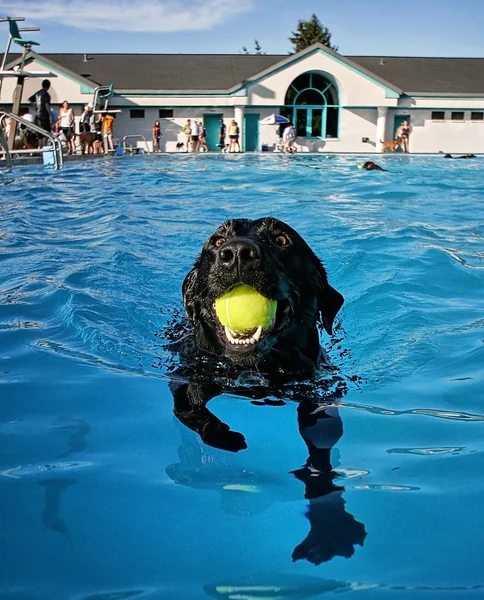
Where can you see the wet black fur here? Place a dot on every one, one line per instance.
(291, 273)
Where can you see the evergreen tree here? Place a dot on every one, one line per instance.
(310, 32)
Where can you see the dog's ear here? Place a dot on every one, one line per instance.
(188, 290)
(329, 299)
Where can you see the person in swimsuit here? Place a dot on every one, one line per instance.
(403, 134)
(156, 137)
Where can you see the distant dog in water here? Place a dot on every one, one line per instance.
(371, 166)
(390, 145)
(180, 146)
(463, 156)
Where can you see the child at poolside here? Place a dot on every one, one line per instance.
(156, 137)
(107, 128)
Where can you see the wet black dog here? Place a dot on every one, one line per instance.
(271, 257)
(463, 156)
(371, 166)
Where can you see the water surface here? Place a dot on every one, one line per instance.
(104, 495)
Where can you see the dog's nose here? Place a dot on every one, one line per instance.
(241, 251)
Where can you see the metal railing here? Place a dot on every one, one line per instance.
(135, 135)
(54, 140)
(99, 94)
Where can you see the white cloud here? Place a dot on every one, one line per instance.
(148, 16)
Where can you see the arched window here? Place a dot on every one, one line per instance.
(312, 104)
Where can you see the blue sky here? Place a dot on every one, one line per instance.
(371, 27)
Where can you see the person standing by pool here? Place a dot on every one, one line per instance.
(403, 134)
(187, 128)
(203, 138)
(41, 100)
(87, 117)
(233, 136)
(66, 117)
(222, 135)
(288, 138)
(107, 128)
(195, 134)
(156, 137)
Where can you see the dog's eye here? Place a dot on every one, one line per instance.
(218, 241)
(281, 240)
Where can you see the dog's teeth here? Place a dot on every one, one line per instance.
(257, 334)
(237, 339)
(229, 335)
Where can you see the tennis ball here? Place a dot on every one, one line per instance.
(360, 166)
(243, 309)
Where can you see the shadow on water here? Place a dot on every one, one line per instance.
(53, 491)
(77, 440)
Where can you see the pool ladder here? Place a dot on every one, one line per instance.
(130, 147)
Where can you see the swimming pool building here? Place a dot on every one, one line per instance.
(337, 103)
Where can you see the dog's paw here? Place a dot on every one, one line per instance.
(233, 441)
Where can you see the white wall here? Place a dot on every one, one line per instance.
(443, 136)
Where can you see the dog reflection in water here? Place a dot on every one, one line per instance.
(272, 258)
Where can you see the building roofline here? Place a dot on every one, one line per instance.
(422, 57)
(285, 61)
(32, 55)
(321, 48)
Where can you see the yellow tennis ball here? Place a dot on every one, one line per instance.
(360, 166)
(243, 309)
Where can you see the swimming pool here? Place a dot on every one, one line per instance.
(104, 495)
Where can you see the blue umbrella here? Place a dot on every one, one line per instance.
(274, 120)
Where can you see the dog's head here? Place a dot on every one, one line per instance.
(272, 258)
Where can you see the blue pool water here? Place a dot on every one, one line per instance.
(105, 496)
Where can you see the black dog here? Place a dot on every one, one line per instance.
(371, 166)
(271, 257)
(463, 156)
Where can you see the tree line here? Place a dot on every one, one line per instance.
(307, 33)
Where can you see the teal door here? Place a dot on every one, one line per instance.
(212, 126)
(399, 119)
(251, 133)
